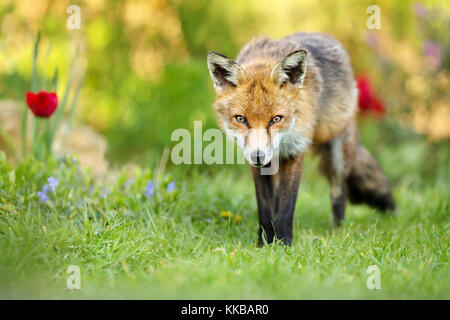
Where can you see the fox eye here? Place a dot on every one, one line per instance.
(240, 119)
(276, 119)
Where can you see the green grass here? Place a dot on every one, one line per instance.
(177, 245)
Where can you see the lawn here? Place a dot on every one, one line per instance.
(132, 241)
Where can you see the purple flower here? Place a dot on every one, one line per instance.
(150, 189)
(43, 196)
(432, 51)
(105, 193)
(372, 39)
(419, 9)
(45, 188)
(129, 183)
(52, 184)
(171, 187)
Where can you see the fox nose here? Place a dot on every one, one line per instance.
(257, 157)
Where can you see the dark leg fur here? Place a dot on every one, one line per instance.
(276, 196)
(333, 165)
(289, 181)
(338, 207)
(264, 186)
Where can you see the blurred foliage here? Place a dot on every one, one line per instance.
(145, 60)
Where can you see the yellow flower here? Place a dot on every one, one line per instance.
(238, 219)
(226, 214)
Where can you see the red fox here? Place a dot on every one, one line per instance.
(284, 97)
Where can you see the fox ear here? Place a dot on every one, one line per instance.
(224, 71)
(292, 68)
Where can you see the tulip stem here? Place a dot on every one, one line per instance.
(34, 84)
(24, 132)
(35, 143)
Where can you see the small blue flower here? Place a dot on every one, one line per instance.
(150, 189)
(46, 188)
(128, 183)
(52, 184)
(43, 196)
(105, 193)
(171, 187)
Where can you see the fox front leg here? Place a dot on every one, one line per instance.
(264, 186)
(289, 178)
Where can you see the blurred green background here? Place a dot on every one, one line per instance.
(145, 70)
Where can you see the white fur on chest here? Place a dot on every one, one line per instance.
(292, 142)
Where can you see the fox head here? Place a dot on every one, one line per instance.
(259, 105)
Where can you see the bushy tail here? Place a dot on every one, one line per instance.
(367, 182)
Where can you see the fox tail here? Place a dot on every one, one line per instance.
(367, 183)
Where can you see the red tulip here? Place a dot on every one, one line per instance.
(42, 104)
(368, 100)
